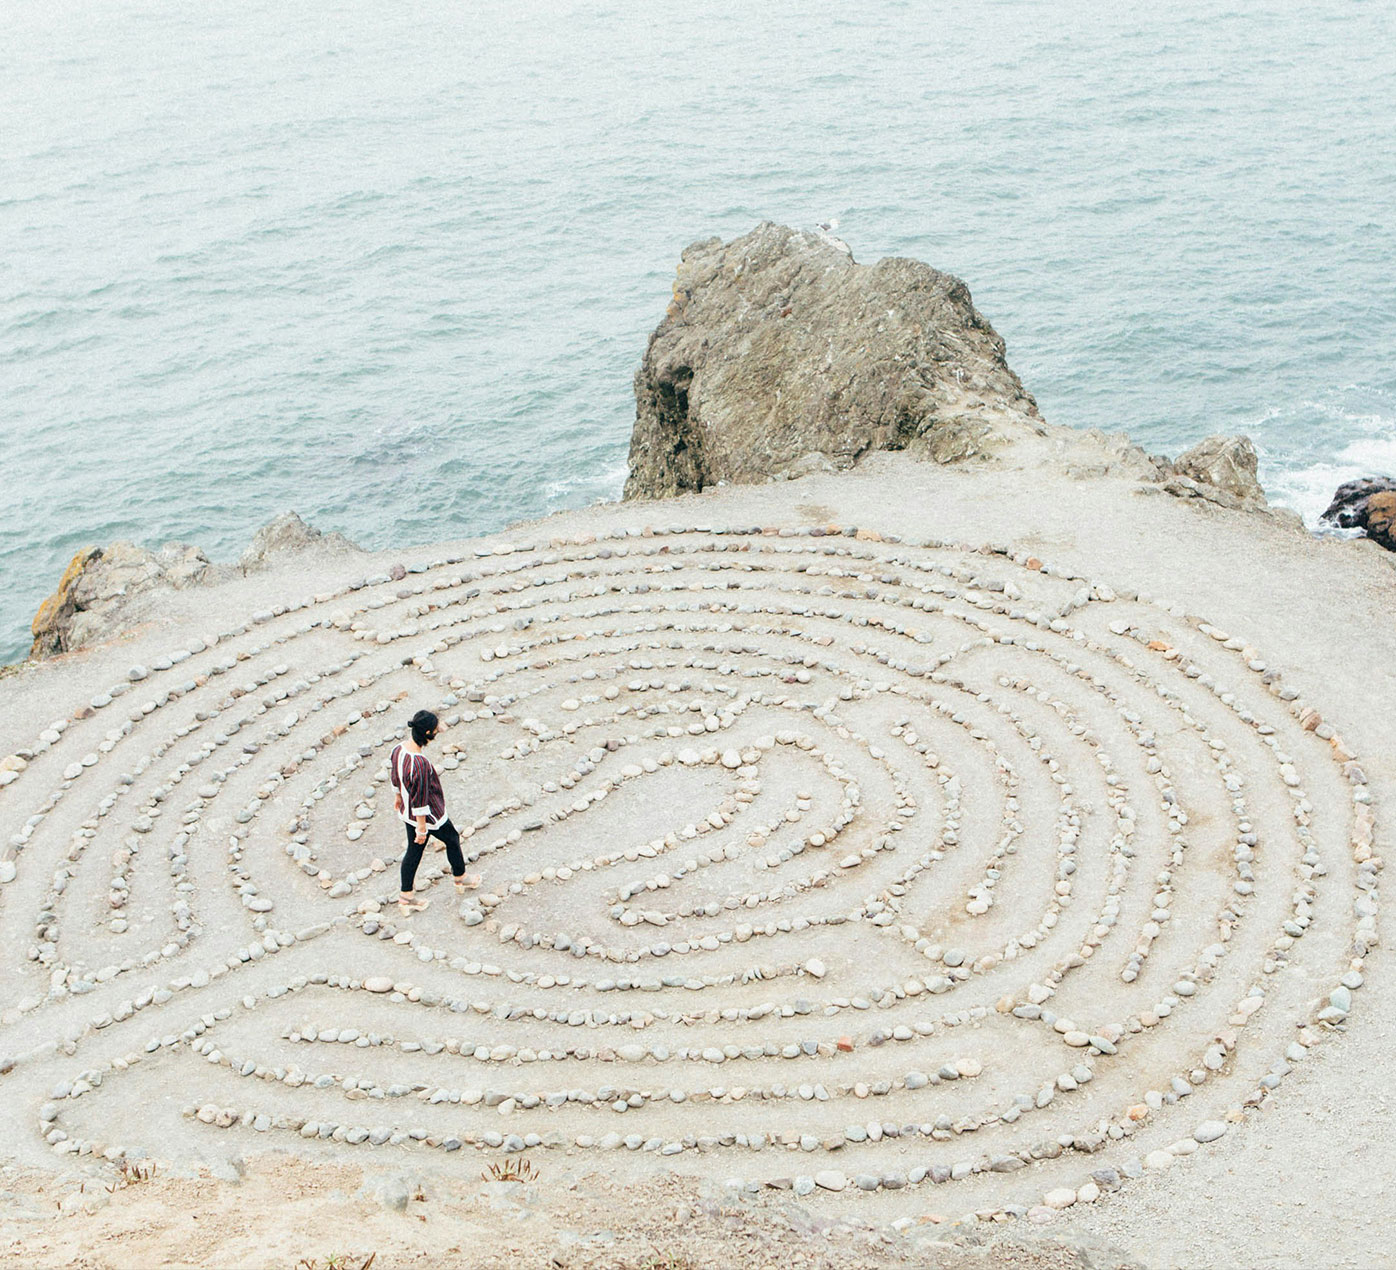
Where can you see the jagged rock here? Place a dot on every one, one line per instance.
(1219, 465)
(55, 613)
(1348, 508)
(1381, 519)
(780, 354)
(94, 598)
(288, 532)
(99, 581)
(1368, 504)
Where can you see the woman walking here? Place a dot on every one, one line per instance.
(419, 800)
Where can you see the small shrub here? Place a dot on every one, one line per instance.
(337, 1261)
(511, 1171)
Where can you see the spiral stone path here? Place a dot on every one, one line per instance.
(813, 859)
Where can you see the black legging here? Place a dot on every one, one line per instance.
(448, 834)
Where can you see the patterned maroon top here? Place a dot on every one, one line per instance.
(416, 781)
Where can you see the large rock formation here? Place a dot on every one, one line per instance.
(99, 581)
(780, 355)
(95, 597)
(1368, 504)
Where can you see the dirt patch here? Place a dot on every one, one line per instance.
(286, 1213)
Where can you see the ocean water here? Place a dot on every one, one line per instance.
(394, 265)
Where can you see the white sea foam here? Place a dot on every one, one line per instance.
(600, 485)
(1309, 490)
(1376, 454)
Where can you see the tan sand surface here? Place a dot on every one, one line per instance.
(788, 843)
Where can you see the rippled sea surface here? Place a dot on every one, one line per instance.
(394, 265)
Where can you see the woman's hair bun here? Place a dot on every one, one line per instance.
(423, 724)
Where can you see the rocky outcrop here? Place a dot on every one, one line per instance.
(1221, 470)
(99, 581)
(1381, 520)
(288, 532)
(96, 596)
(1368, 504)
(55, 615)
(780, 354)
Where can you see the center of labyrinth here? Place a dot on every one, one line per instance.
(810, 859)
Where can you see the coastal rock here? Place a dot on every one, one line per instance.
(101, 580)
(56, 613)
(1381, 520)
(94, 599)
(288, 532)
(781, 355)
(1221, 470)
(1368, 504)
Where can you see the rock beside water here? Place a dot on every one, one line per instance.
(1381, 520)
(1368, 504)
(94, 597)
(780, 354)
(288, 532)
(100, 580)
(1221, 470)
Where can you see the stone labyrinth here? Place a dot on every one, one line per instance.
(812, 859)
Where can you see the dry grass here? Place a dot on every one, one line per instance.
(337, 1261)
(511, 1171)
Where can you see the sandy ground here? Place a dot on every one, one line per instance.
(331, 1214)
(1298, 1180)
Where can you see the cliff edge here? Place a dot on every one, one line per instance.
(779, 356)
